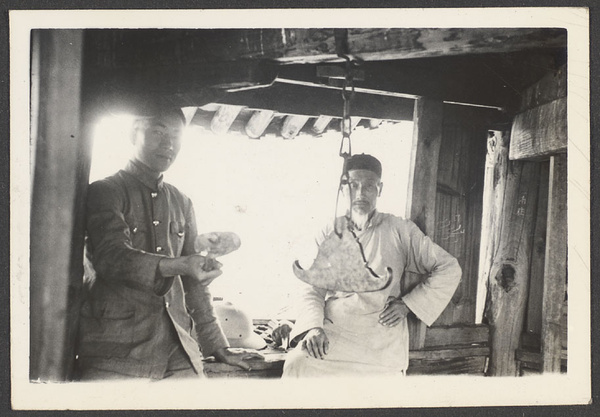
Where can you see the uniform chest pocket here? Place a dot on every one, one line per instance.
(177, 235)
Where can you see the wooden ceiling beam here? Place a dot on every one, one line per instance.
(375, 44)
(194, 67)
(129, 48)
(486, 79)
(315, 102)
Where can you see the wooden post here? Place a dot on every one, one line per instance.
(555, 268)
(422, 186)
(509, 274)
(53, 200)
(495, 184)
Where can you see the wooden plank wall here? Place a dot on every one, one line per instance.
(540, 134)
(526, 290)
(459, 202)
(448, 165)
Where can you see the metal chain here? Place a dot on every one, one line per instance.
(346, 144)
(347, 95)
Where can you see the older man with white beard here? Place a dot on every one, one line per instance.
(362, 333)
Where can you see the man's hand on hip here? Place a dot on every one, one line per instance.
(395, 311)
(316, 343)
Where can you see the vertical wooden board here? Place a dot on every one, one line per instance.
(53, 201)
(473, 219)
(555, 268)
(536, 284)
(509, 274)
(450, 234)
(450, 224)
(458, 204)
(452, 162)
(422, 186)
(449, 231)
(446, 159)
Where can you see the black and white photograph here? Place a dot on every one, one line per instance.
(367, 208)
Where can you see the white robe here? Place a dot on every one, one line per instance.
(358, 344)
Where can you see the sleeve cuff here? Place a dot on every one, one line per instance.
(422, 314)
(162, 285)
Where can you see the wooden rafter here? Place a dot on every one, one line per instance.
(223, 119)
(292, 125)
(320, 125)
(258, 123)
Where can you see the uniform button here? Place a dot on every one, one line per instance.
(159, 248)
(155, 222)
(154, 195)
(167, 304)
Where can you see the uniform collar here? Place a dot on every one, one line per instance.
(144, 174)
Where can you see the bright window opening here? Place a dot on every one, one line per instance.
(275, 194)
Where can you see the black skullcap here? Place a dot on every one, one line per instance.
(364, 161)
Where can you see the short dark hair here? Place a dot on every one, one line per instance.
(152, 112)
(143, 121)
(364, 161)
